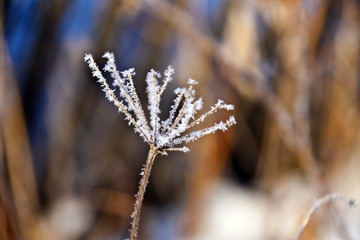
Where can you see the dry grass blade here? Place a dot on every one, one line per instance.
(317, 205)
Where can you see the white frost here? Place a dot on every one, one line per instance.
(164, 135)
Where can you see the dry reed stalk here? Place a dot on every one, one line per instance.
(19, 162)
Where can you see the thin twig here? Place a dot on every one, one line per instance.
(138, 102)
(181, 112)
(177, 102)
(140, 194)
(137, 108)
(317, 205)
(118, 103)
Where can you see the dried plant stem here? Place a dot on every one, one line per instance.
(140, 194)
(17, 155)
(159, 141)
(317, 205)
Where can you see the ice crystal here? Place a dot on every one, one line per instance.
(162, 135)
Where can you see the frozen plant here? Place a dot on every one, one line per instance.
(162, 136)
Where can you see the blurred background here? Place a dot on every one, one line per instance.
(69, 164)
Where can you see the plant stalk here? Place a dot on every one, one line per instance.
(140, 194)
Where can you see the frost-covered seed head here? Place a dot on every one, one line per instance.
(163, 135)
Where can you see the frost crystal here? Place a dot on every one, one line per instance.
(162, 135)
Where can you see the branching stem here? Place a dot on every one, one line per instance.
(162, 136)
